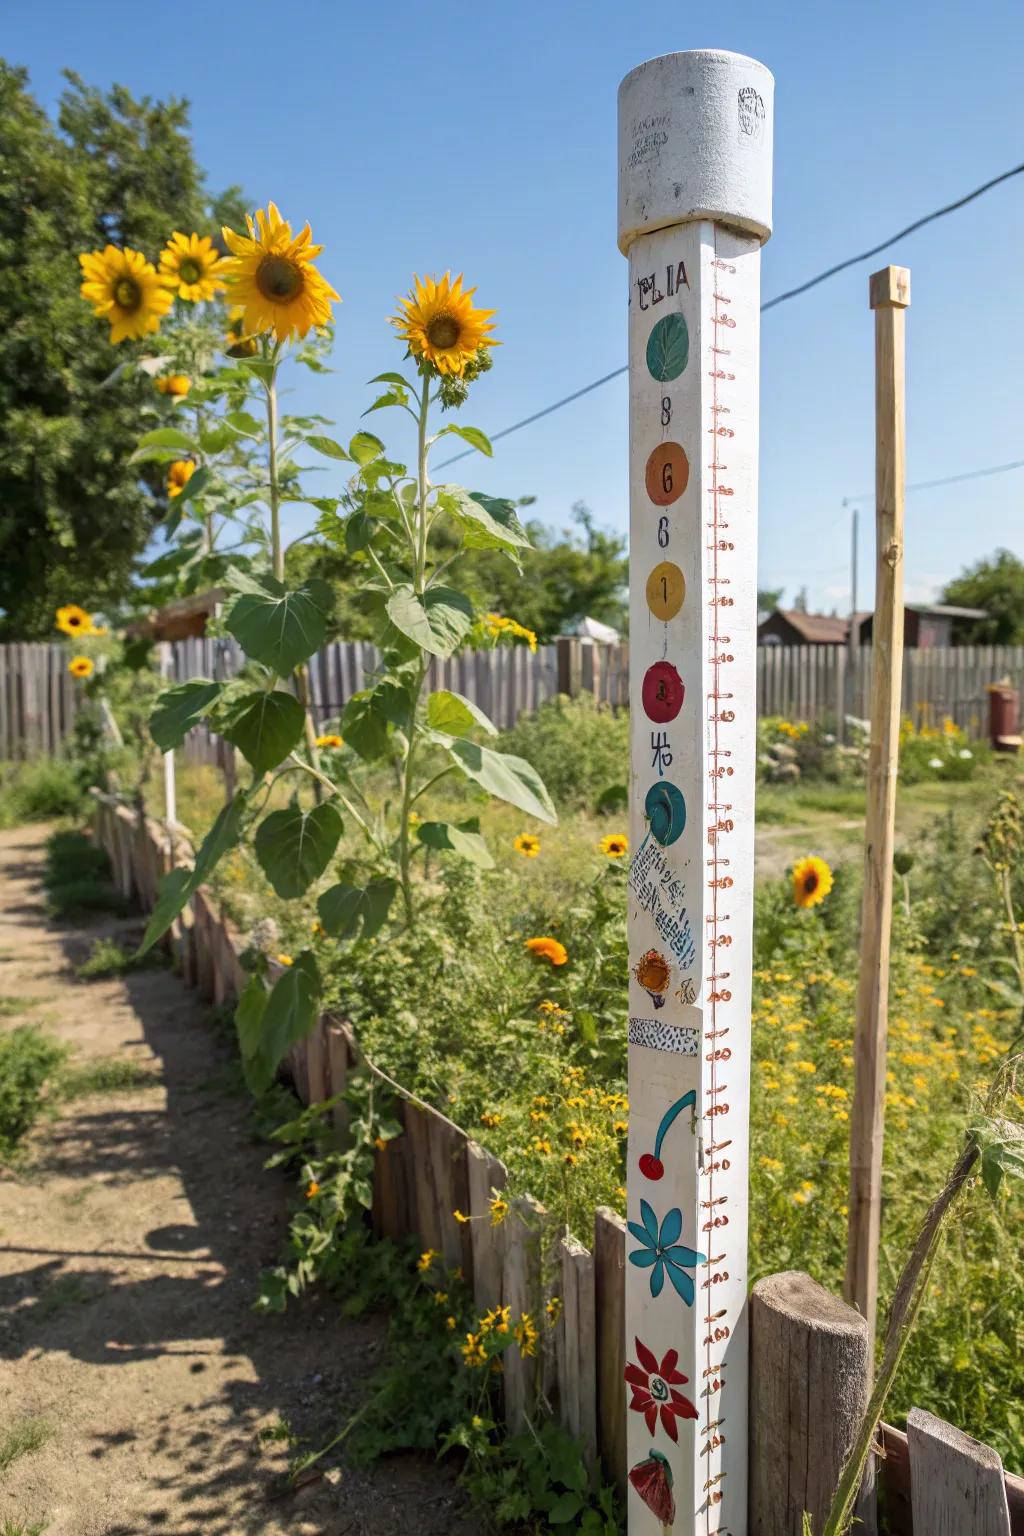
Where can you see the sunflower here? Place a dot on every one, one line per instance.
(273, 278)
(192, 265)
(615, 845)
(236, 343)
(812, 881)
(330, 740)
(527, 845)
(441, 324)
(74, 620)
(178, 476)
(548, 949)
(126, 289)
(176, 384)
(80, 666)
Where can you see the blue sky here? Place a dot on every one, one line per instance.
(482, 137)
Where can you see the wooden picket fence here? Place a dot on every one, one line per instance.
(809, 1351)
(814, 683)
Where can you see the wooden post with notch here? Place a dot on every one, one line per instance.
(890, 296)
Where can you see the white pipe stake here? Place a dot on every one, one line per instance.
(695, 139)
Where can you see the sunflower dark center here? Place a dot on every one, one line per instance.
(190, 271)
(811, 882)
(127, 293)
(279, 279)
(443, 331)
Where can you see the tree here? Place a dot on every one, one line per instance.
(769, 598)
(997, 585)
(74, 512)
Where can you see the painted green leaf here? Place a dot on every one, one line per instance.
(471, 435)
(178, 885)
(364, 447)
(456, 715)
(249, 1012)
(508, 778)
(291, 1008)
(437, 622)
(179, 709)
(294, 846)
(345, 907)
(265, 727)
(668, 348)
(463, 839)
(279, 627)
(328, 447)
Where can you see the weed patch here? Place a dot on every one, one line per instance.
(78, 877)
(107, 958)
(109, 1074)
(28, 1062)
(20, 1439)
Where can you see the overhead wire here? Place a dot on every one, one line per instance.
(780, 298)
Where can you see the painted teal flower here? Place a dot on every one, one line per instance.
(661, 1252)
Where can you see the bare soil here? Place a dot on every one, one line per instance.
(131, 1238)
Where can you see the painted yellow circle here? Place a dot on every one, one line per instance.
(666, 589)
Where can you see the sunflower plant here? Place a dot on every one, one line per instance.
(388, 517)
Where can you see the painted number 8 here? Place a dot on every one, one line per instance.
(666, 410)
(662, 531)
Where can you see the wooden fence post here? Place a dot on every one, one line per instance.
(890, 296)
(808, 1388)
(956, 1483)
(610, 1305)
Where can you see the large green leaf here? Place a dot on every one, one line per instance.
(364, 725)
(344, 907)
(294, 846)
(179, 884)
(327, 446)
(437, 622)
(163, 437)
(252, 1005)
(464, 840)
(291, 1008)
(364, 448)
(193, 487)
(507, 777)
(179, 709)
(245, 424)
(265, 727)
(486, 521)
(471, 435)
(281, 628)
(456, 715)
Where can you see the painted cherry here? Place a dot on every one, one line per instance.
(652, 1167)
(650, 1163)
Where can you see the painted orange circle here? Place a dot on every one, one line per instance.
(666, 590)
(667, 472)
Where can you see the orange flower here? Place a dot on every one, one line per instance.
(548, 949)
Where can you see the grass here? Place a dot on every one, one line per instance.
(77, 877)
(23, 1437)
(15, 1528)
(65, 1291)
(108, 1074)
(14, 1007)
(107, 958)
(45, 789)
(29, 1063)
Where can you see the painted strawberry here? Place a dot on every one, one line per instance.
(652, 1480)
(654, 1390)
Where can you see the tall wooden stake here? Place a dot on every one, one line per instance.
(890, 296)
(695, 136)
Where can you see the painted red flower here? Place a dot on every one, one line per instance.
(652, 1480)
(654, 1390)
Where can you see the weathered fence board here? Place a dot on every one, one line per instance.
(957, 1483)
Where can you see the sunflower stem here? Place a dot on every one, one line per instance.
(277, 548)
(419, 582)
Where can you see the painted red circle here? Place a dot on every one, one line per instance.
(662, 692)
(652, 1167)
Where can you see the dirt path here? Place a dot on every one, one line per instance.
(130, 1243)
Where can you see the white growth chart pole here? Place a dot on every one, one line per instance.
(695, 154)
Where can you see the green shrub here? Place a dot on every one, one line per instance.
(107, 958)
(42, 790)
(78, 877)
(28, 1060)
(579, 748)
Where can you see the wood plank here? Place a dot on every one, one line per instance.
(578, 1384)
(422, 1198)
(485, 1175)
(521, 1287)
(337, 1070)
(956, 1482)
(316, 1063)
(392, 1213)
(610, 1330)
